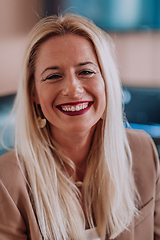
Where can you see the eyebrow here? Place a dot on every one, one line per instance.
(50, 68)
(85, 63)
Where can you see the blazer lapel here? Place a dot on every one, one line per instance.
(127, 234)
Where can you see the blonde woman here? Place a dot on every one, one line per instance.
(76, 173)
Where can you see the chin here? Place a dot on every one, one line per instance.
(82, 128)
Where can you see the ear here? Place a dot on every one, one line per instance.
(35, 97)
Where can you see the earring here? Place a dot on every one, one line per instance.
(41, 121)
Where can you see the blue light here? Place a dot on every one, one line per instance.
(152, 130)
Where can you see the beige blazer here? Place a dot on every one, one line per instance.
(17, 217)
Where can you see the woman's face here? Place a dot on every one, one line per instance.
(69, 85)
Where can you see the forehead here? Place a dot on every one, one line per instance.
(66, 48)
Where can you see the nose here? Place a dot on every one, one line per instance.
(72, 86)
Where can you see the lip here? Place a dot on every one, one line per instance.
(75, 113)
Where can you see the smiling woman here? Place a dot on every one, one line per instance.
(68, 83)
(76, 173)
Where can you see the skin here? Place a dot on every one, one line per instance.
(67, 74)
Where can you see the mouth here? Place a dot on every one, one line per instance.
(75, 108)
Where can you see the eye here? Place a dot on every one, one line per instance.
(86, 73)
(55, 77)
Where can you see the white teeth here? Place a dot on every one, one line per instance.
(72, 109)
(75, 108)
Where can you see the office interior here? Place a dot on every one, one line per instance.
(134, 27)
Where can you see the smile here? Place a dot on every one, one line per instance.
(76, 108)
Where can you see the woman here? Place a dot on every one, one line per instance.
(75, 172)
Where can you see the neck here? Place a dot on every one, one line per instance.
(75, 146)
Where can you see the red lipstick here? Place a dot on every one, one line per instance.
(75, 108)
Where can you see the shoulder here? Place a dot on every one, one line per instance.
(16, 202)
(11, 175)
(7, 159)
(9, 166)
(143, 148)
(145, 163)
(138, 138)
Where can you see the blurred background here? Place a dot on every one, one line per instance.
(134, 26)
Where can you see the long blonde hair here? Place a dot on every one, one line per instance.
(109, 191)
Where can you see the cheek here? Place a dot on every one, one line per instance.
(101, 93)
(99, 89)
(103, 102)
(45, 98)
